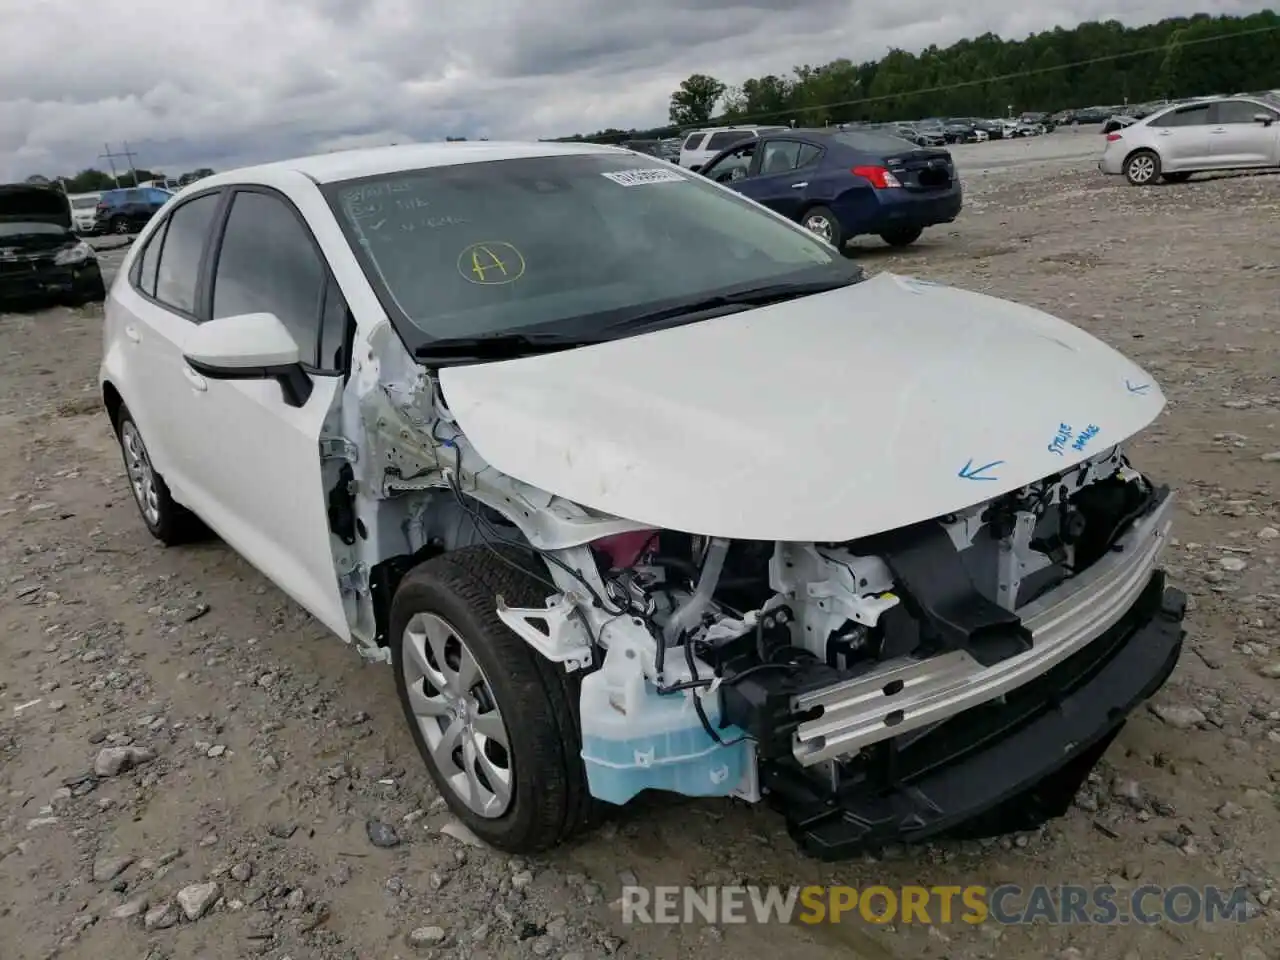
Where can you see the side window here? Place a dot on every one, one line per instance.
(727, 138)
(692, 142)
(183, 249)
(132, 196)
(809, 155)
(732, 166)
(157, 196)
(269, 264)
(1188, 117)
(333, 328)
(1236, 111)
(780, 156)
(150, 259)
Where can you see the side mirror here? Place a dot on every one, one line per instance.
(250, 346)
(695, 167)
(1264, 118)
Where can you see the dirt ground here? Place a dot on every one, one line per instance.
(264, 748)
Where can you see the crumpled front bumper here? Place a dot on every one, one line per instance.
(1006, 765)
(909, 694)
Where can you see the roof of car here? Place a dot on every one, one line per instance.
(373, 161)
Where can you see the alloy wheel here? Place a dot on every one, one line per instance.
(1142, 169)
(142, 477)
(819, 225)
(455, 709)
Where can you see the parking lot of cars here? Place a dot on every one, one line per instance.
(171, 722)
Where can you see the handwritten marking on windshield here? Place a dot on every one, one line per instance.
(491, 263)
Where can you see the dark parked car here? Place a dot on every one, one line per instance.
(845, 183)
(127, 210)
(40, 256)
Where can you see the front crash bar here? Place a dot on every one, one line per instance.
(906, 694)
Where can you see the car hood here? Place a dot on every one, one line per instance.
(827, 418)
(31, 203)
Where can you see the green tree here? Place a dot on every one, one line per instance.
(696, 100)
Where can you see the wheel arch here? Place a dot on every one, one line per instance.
(1142, 149)
(112, 402)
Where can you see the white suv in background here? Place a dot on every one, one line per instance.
(84, 212)
(701, 145)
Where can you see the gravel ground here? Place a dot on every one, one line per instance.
(190, 767)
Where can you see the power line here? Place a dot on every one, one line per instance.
(1018, 75)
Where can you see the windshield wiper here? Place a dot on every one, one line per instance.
(497, 346)
(731, 302)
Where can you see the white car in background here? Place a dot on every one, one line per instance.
(636, 486)
(701, 145)
(1225, 133)
(84, 212)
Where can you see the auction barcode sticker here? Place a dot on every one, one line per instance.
(636, 178)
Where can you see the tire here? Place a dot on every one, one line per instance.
(1142, 168)
(166, 519)
(447, 604)
(119, 225)
(1180, 177)
(902, 237)
(823, 222)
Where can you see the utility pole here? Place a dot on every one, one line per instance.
(111, 158)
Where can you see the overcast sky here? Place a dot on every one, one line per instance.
(227, 82)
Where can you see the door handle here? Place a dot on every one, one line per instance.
(800, 186)
(1219, 130)
(132, 333)
(197, 382)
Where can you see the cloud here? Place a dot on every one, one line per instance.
(230, 82)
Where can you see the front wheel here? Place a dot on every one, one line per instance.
(166, 519)
(823, 222)
(902, 236)
(1143, 168)
(495, 723)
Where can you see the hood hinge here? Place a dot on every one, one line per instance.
(338, 448)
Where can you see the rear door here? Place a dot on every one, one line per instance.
(260, 454)
(156, 306)
(1182, 137)
(1236, 139)
(780, 176)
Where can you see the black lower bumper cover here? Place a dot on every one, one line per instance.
(1018, 780)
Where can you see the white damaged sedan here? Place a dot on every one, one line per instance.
(638, 485)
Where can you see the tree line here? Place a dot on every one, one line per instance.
(1093, 64)
(91, 180)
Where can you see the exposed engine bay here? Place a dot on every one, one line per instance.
(831, 678)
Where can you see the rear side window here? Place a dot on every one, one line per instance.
(693, 140)
(150, 259)
(1186, 117)
(182, 252)
(268, 264)
(727, 138)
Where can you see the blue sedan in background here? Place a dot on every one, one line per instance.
(844, 183)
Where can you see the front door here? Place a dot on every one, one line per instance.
(1237, 139)
(781, 180)
(259, 452)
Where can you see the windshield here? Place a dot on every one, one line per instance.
(84, 203)
(26, 229)
(569, 244)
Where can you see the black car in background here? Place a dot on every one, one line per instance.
(40, 257)
(128, 209)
